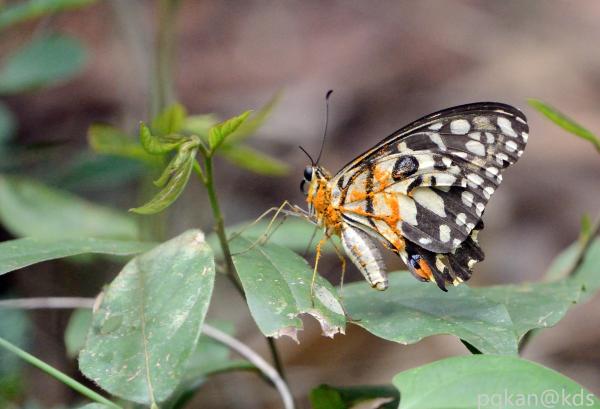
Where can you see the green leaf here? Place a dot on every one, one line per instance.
(173, 188)
(218, 133)
(586, 228)
(16, 254)
(94, 406)
(277, 285)
(253, 160)
(77, 330)
(154, 144)
(43, 62)
(7, 124)
(149, 320)
(29, 208)
(32, 9)
(250, 126)
(565, 122)
(491, 319)
(108, 140)
(331, 397)
(482, 381)
(200, 124)
(169, 121)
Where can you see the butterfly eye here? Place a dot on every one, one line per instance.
(308, 172)
(303, 186)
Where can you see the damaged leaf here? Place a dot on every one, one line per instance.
(277, 285)
(149, 320)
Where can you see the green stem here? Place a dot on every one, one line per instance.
(220, 223)
(72, 383)
(163, 93)
(208, 180)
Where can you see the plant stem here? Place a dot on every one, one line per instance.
(72, 383)
(208, 180)
(220, 223)
(162, 83)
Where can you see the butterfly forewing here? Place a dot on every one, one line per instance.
(430, 181)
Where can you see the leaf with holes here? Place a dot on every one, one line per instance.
(277, 285)
(149, 320)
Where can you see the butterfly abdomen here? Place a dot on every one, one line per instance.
(365, 256)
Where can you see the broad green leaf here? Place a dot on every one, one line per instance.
(169, 121)
(277, 285)
(330, 397)
(200, 124)
(29, 208)
(149, 321)
(32, 9)
(492, 319)
(173, 188)
(43, 62)
(565, 122)
(15, 254)
(253, 160)
(218, 133)
(155, 144)
(253, 123)
(534, 305)
(109, 140)
(483, 381)
(7, 124)
(77, 330)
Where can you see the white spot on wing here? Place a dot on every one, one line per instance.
(476, 147)
(491, 171)
(444, 233)
(467, 198)
(511, 146)
(525, 136)
(435, 138)
(506, 126)
(424, 240)
(436, 126)
(479, 208)
(489, 137)
(461, 219)
(408, 209)
(475, 178)
(475, 135)
(429, 200)
(460, 126)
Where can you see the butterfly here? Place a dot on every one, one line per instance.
(421, 192)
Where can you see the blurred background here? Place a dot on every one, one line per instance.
(389, 62)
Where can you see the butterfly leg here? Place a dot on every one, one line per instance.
(314, 275)
(292, 210)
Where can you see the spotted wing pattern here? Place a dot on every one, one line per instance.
(422, 191)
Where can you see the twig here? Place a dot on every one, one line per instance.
(47, 302)
(55, 373)
(254, 358)
(75, 302)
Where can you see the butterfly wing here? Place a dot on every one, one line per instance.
(429, 183)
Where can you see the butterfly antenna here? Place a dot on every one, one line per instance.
(307, 154)
(326, 122)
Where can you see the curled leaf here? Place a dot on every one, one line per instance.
(169, 121)
(155, 144)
